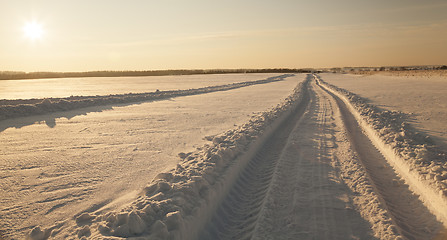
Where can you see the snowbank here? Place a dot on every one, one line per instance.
(42, 106)
(176, 204)
(413, 155)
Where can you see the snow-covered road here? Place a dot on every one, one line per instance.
(322, 164)
(320, 177)
(293, 189)
(101, 157)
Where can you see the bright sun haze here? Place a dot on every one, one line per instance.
(143, 35)
(33, 30)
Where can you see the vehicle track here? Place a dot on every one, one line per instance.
(292, 188)
(308, 198)
(237, 215)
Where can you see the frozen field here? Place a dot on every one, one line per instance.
(65, 87)
(76, 160)
(294, 158)
(422, 97)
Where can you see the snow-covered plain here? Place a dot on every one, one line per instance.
(321, 164)
(422, 98)
(27, 107)
(65, 87)
(102, 157)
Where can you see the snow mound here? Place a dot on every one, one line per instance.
(177, 203)
(416, 158)
(30, 107)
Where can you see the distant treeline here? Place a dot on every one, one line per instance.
(391, 68)
(10, 75)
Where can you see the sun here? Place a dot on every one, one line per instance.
(33, 30)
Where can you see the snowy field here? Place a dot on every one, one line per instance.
(65, 87)
(294, 157)
(101, 157)
(13, 108)
(422, 97)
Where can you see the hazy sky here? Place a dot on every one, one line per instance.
(85, 35)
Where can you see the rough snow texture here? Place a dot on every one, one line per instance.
(48, 105)
(366, 200)
(422, 164)
(320, 190)
(176, 203)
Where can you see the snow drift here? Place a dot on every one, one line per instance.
(28, 107)
(413, 155)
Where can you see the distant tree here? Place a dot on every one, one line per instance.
(336, 70)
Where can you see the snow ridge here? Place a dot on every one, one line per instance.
(414, 156)
(30, 107)
(178, 203)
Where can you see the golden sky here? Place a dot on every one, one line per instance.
(85, 35)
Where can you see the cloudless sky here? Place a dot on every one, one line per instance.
(85, 35)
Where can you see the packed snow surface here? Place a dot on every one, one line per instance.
(304, 183)
(91, 86)
(58, 165)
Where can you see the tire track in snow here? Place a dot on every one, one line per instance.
(412, 218)
(292, 190)
(237, 215)
(327, 217)
(307, 198)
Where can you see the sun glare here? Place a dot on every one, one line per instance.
(33, 30)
